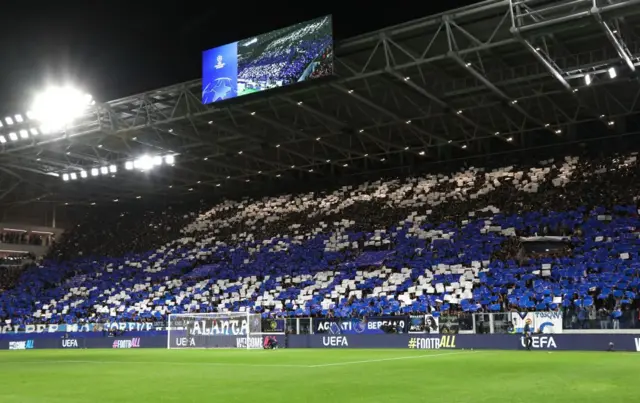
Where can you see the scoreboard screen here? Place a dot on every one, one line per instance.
(279, 58)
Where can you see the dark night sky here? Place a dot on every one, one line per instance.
(118, 48)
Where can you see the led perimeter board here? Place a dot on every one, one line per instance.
(279, 58)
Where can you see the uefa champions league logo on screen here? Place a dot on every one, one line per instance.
(219, 63)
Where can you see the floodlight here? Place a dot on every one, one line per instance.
(157, 160)
(65, 177)
(612, 72)
(128, 165)
(83, 174)
(113, 169)
(57, 107)
(24, 134)
(13, 136)
(587, 79)
(3, 139)
(169, 159)
(33, 131)
(18, 118)
(73, 176)
(1, 123)
(8, 120)
(29, 115)
(94, 172)
(104, 170)
(143, 163)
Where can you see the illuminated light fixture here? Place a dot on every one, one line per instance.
(205, 158)
(459, 112)
(328, 161)
(546, 125)
(612, 72)
(198, 182)
(170, 130)
(406, 148)
(8, 120)
(19, 118)
(277, 145)
(170, 186)
(104, 170)
(240, 152)
(59, 106)
(253, 113)
(13, 136)
(83, 174)
(345, 165)
(157, 160)
(464, 146)
(450, 141)
(95, 172)
(24, 134)
(497, 133)
(247, 180)
(99, 145)
(217, 185)
(575, 90)
(610, 123)
(115, 200)
(143, 163)
(383, 159)
(601, 116)
(293, 166)
(421, 153)
(210, 122)
(34, 131)
(73, 176)
(278, 175)
(1, 125)
(134, 138)
(311, 170)
(93, 203)
(408, 122)
(68, 152)
(138, 197)
(509, 139)
(113, 169)
(190, 189)
(299, 102)
(259, 172)
(587, 79)
(169, 159)
(350, 91)
(515, 101)
(468, 64)
(65, 177)
(3, 139)
(558, 131)
(361, 131)
(317, 138)
(407, 78)
(366, 155)
(128, 165)
(228, 177)
(29, 115)
(37, 159)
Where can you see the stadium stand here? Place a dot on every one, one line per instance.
(559, 233)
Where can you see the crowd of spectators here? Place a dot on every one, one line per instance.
(425, 221)
(26, 238)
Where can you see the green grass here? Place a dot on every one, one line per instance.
(309, 376)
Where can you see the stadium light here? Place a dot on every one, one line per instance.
(3, 139)
(104, 170)
(83, 174)
(8, 120)
(143, 163)
(113, 169)
(34, 131)
(19, 118)
(65, 177)
(587, 79)
(95, 172)
(128, 165)
(169, 159)
(58, 106)
(24, 134)
(73, 176)
(13, 136)
(613, 73)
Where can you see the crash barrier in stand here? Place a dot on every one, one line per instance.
(550, 342)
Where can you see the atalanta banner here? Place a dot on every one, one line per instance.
(371, 325)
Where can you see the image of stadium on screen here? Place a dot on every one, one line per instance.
(279, 58)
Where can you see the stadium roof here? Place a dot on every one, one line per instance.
(492, 77)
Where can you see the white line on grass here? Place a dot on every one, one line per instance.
(410, 357)
(235, 364)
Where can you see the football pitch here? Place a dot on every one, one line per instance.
(387, 376)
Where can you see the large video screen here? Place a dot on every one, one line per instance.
(279, 58)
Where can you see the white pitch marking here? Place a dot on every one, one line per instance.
(411, 357)
(234, 364)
